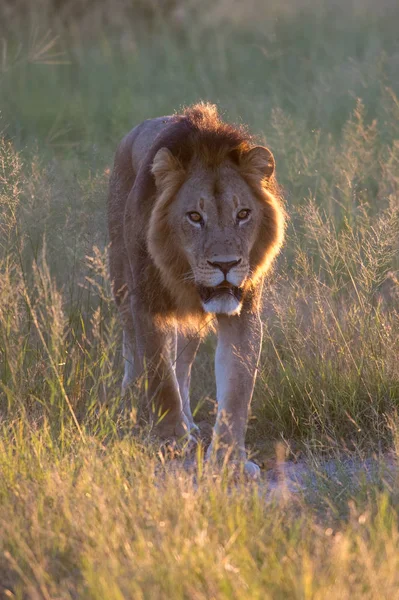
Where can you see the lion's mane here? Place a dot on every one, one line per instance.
(157, 262)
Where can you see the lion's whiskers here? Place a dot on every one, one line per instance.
(189, 276)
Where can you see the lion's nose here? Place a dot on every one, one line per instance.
(225, 266)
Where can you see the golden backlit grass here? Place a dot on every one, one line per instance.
(89, 510)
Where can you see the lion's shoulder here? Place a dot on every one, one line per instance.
(143, 137)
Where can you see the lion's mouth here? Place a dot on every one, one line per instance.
(225, 288)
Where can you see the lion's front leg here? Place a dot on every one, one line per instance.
(159, 390)
(186, 350)
(237, 356)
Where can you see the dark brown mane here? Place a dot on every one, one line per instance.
(210, 138)
(198, 132)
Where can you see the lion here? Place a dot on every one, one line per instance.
(195, 222)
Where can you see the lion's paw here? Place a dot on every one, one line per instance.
(193, 429)
(179, 430)
(173, 447)
(251, 470)
(236, 465)
(248, 469)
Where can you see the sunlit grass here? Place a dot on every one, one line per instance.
(109, 520)
(87, 507)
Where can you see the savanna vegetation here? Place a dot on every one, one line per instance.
(89, 508)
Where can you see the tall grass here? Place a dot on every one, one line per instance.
(87, 508)
(90, 521)
(329, 368)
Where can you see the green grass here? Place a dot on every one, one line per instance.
(88, 510)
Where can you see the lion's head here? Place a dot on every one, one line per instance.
(217, 222)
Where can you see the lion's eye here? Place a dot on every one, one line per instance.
(243, 214)
(195, 217)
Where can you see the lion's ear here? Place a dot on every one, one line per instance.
(258, 163)
(167, 170)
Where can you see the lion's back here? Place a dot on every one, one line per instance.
(143, 137)
(129, 157)
(130, 154)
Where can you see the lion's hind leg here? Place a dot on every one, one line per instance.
(122, 299)
(129, 361)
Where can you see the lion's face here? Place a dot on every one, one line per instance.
(217, 229)
(216, 217)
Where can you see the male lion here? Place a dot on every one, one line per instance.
(195, 222)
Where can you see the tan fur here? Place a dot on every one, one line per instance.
(165, 169)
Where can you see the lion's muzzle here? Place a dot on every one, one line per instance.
(224, 266)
